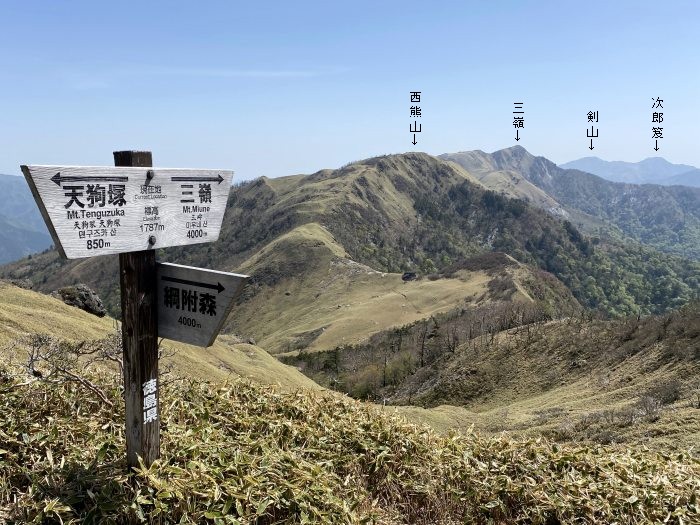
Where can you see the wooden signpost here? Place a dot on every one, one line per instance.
(131, 209)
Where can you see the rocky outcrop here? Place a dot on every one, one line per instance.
(22, 283)
(83, 297)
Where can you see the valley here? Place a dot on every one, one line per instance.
(493, 253)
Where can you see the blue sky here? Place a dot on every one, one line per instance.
(278, 88)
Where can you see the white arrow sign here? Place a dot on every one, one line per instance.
(193, 303)
(101, 210)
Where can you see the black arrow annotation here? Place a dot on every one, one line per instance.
(591, 146)
(58, 179)
(218, 179)
(656, 145)
(517, 136)
(414, 140)
(216, 286)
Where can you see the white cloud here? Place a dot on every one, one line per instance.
(101, 78)
(235, 73)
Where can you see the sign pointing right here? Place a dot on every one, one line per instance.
(218, 179)
(193, 303)
(216, 286)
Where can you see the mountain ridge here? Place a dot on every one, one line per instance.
(652, 170)
(664, 217)
(407, 212)
(22, 229)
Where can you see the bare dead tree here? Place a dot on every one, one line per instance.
(399, 333)
(452, 339)
(386, 361)
(52, 360)
(423, 335)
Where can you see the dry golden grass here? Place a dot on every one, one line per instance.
(535, 392)
(573, 382)
(336, 301)
(25, 312)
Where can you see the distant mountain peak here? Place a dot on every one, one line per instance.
(517, 152)
(651, 170)
(660, 162)
(515, 149)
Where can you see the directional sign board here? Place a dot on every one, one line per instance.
(193, 303)
(100, 210)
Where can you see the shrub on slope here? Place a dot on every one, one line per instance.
(243, 453)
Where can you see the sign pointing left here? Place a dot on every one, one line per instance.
(58, 179)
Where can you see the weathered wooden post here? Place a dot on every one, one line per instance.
(137, 280)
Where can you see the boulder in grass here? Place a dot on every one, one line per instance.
(83, 297)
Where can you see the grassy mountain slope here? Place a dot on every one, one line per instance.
(506, 182)
(241, 453)
(372, 367)
(321, 299)
(406, 212)
(530, 367)
(576, 379)
(25, 312)
(512, 183)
